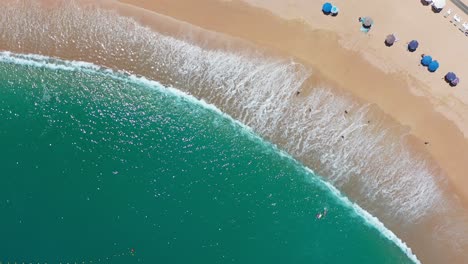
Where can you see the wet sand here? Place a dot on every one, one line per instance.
(351, 64)
(334, 64)
(349, 69)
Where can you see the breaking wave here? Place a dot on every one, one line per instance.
(55, 64)
(355, 146)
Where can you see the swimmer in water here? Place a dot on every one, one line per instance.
(322, 214)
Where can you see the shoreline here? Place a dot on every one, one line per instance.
(348, 70)
(40, 61)
(447, 143)
(345, 69)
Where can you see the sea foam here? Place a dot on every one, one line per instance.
(33, 60)
(361, 153)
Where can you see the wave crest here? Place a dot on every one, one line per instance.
(372, 162)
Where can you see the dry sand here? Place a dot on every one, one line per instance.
(361, 63)
(409, 20)
(437, 36)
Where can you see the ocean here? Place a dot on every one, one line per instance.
(102, 167)
(170, 143)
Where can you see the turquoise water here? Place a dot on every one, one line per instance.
(98, 167)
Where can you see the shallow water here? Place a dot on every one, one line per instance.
(98, 167)
(371, 162)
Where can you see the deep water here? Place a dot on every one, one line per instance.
(105, 168)
(365, 154)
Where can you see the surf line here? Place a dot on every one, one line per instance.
(41, 61)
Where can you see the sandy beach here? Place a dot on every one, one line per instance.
(388, 78)
(437, 36)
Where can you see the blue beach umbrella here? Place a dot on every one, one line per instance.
(426, 60)
(413, 45)
(433, 66)
(326, 8)
(449, 77)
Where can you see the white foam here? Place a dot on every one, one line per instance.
(44, 61)
(54, 64)
(374, 222)
(372, 164)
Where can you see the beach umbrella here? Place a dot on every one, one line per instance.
(426, 60)
(433, 66)
(335, 10)
(367, 22)
(438, 4)
(390, 39)
(455, 82)
(427, 1)
(327, 7)
(413, 45)
(449, 77)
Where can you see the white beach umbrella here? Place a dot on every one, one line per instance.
(438, 4)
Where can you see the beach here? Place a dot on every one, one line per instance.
(390, 77)
(380, 87)
(380, 75)
(438, 37)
